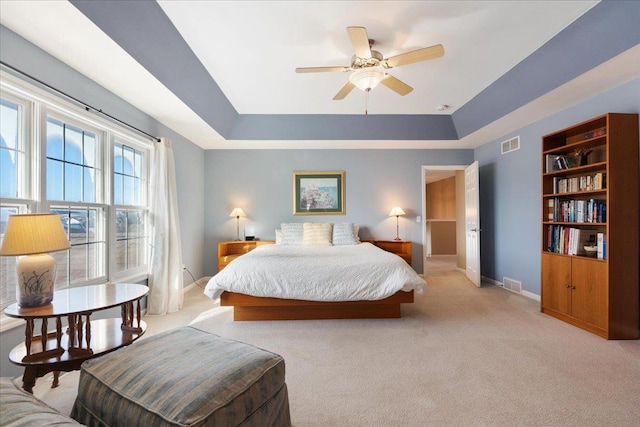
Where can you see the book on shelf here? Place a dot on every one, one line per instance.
(571, 210)
(564, 162)
(590, 182)
(595, 133)
(602, 246)
(549, 163)
(570, 240)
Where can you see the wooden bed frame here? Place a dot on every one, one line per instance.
(246, 307)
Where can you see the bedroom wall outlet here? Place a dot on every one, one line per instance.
(184, 267)
(418, 218)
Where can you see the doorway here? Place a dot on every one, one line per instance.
(443, 213)
(450, 229)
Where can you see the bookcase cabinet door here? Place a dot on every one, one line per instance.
(556, 280)
(589, 291)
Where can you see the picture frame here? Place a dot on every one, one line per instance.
(318, 193)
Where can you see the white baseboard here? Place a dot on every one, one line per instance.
(490, 281)
(201, 282)
(531, 295)
(524, 293)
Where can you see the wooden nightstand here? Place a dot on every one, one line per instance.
(402, 248)
(228, 251)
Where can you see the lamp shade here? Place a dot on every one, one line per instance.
(367, 78)
(237, 212)
(29, 234)
(396, 211)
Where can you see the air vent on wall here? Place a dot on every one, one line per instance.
(512, 285)
(511, 145)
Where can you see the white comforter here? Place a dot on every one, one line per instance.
(316, 273)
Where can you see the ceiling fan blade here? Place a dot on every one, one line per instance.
(423, 54)
(321, 69)
(344, 91)
(360, 41)
(396, 85)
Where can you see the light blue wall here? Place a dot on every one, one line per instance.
(260, 182)
(510, 188)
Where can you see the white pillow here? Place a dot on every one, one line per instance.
(278, 236)
(292, 233)
(316, 234)
(344, 234)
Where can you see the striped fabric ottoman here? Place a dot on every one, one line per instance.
(183, 377)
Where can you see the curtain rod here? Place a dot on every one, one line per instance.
(86, 106)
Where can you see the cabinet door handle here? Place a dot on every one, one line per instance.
(573, 287)
(567, 285)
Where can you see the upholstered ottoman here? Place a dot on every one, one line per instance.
(184, 377)
(21, 409)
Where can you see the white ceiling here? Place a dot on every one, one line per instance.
(252, 48)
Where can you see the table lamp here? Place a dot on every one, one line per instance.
(397, 211)
(237, 212)
(32, 235)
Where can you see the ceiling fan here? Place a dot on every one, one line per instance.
(368, 67)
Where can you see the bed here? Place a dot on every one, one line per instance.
(298, 281)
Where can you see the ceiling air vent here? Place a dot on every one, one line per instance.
(511, 145)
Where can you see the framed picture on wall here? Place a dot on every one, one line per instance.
(318, 193)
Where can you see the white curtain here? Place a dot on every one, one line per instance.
(165, 266)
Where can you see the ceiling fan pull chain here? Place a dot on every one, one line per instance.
(366, 102)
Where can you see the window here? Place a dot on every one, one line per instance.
(73, 176)
(11, 147)
(15, 196)
(72, 173)
(59, 158)
(129, 199)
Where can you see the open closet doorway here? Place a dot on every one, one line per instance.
(450, 231)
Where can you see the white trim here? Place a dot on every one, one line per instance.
(531, 295)
(202, 280)
(189, 287)
(524, 293)
(8, 323)
(491, 281)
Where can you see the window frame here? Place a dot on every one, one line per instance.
(118, 138)
(26, 185)
(39, 104)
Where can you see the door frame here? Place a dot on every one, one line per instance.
(423, 224)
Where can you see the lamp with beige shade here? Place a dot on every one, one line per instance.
(397, 211)
(237, 212)
(31, 236)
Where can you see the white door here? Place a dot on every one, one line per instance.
(472, 222)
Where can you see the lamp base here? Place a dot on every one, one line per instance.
(397, 238)
(36, 280)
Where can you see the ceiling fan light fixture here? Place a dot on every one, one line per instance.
(368, 78)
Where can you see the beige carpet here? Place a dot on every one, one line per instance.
(460, 356)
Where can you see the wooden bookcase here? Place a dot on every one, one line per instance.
(596, 195)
